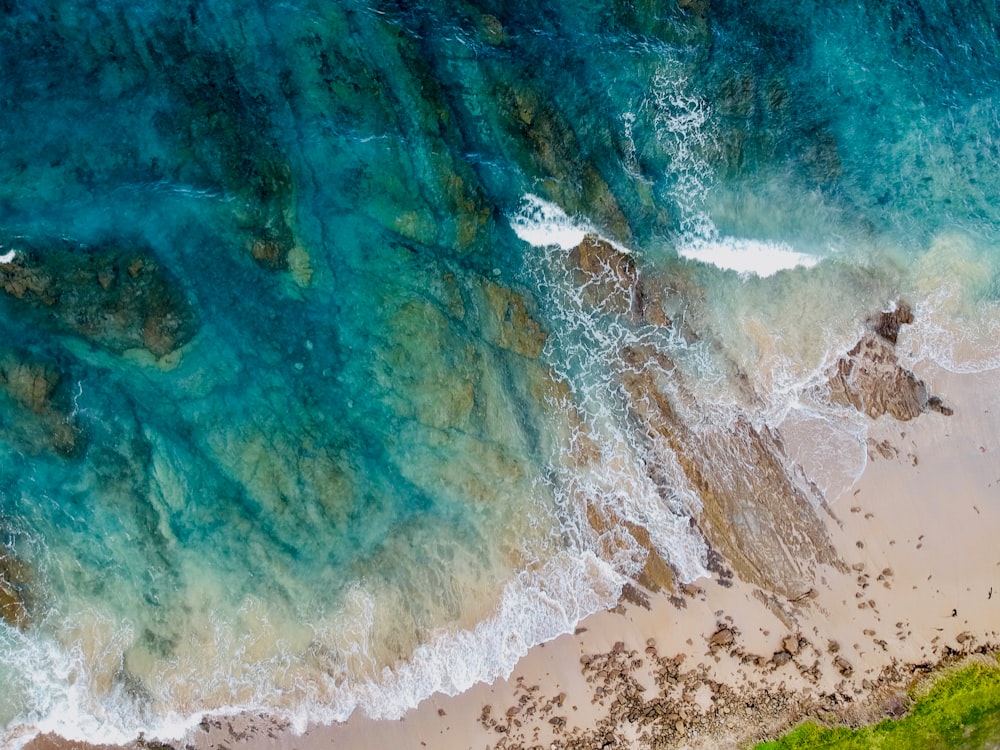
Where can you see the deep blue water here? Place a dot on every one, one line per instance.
(280, 374)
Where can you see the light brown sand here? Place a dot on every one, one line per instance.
(918, 535)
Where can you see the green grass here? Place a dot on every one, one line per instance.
(960, 711)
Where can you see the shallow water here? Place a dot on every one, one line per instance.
(295, 367)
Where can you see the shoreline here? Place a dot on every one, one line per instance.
(723, 663)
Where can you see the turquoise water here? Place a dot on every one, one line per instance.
(293, 361)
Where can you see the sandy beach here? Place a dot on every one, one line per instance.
(721, 663)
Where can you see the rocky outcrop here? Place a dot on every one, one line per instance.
(116, 296)
(656, 573)
(755, 511)
(869, 376)
(611, 283)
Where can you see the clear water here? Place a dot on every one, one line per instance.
(349, 483)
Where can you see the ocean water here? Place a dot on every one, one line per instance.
(296, 367)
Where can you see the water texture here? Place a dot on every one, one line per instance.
(298, 373)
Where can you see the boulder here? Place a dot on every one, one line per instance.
(722, 638)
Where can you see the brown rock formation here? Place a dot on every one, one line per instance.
(758, 514)
(656, 574)
(14, 577)
(119, 298)
(612, 283)
(756, 511)
(870, 379)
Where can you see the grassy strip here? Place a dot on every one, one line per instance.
(960, 711)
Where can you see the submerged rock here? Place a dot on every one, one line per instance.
(115, 296)
(224, 140)
(514, 328)
(570, 179)
(14, 579)
(39, 417)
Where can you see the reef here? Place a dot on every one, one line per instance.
(38, 414)
(114, 295)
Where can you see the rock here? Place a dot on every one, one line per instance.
(39, 413)
(781, 658)
(721, 638)
(791, 644)
(491, 30)
(843, 666)
(870, 379)
(773, 542)
(14, 577)
(821, 157)
(611, 282)
(113, 295)
(936, 404)
(29, 384)
(511, 325)
(887, 324)
(698, 8)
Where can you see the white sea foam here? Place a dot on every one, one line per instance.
(683, 123)
(746, 256)
(537, 605)
(956, 316)
(8, 257)
(543, 224)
